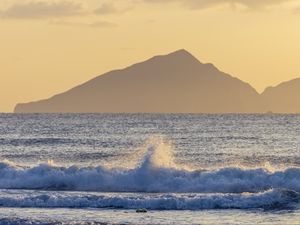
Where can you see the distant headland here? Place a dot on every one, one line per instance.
(173, 83)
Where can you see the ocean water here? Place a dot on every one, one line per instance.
(182, 168)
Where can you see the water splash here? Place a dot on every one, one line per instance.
(155, 171)
(157, 153)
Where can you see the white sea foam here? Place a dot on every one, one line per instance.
(154, 172)
(273, 199)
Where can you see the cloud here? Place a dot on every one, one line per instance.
(42, 9)
(103, 24)
(97, 24)
(110, 8)
(203, 4)
(297, 10)
(106, 8)
(249, 4)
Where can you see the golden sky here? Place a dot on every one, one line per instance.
(49, 46)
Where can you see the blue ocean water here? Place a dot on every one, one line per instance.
(182, 168)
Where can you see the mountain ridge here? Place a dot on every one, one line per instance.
(283, 98)
(174, 83)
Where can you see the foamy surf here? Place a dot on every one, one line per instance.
(154, 171)
(145, 179)
(269, 200)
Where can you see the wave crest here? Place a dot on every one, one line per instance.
(270, 200)
(154, 172)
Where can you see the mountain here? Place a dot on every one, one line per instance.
(173, 83)
(283, 98)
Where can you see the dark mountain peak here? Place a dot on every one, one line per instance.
(211, 66)
(295, 81)
(283, 98)
(285, 84)
(181, 56)
(181, 52)
(173, 83)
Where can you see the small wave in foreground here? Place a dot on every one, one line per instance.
(269, 200)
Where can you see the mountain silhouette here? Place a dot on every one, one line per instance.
(173, 83)
(283, 98)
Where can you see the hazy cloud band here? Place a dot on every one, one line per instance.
(202, 4)
(42, 9)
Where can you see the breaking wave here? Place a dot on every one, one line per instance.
(269, 200)
(146, 179)
(154, 171)
(152, 180)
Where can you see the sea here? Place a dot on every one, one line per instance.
(149, 169)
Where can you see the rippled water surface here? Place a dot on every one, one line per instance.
(208, 169)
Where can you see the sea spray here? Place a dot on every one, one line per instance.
(154, 171)
(156, 152)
